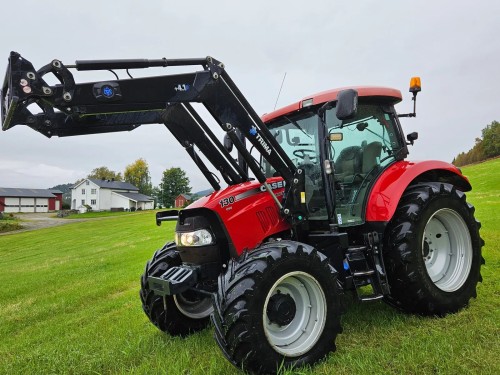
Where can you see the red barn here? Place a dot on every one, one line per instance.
(30, 200)
(182, 200)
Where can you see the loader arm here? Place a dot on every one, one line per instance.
(71, 108)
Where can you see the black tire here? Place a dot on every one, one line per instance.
(185, 313)
(275, 282)
(433, 250)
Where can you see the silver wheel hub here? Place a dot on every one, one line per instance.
(294, 314)
(447, 250)
(193, 306)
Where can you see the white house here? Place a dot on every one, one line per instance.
(106, 195)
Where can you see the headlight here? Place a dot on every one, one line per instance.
(200, 237)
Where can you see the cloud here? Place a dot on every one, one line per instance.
(321, 45)
(38, 175)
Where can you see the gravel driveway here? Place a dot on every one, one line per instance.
(41, 220)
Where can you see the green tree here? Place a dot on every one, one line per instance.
(105, 173)
(156, 195)
(174, 182)
(138, 175)
(491, 139)
(486, 147)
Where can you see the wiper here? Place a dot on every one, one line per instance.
(296, 124)
(357, 122)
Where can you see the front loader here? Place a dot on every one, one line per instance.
(319, 201)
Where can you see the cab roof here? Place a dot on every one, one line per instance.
(392, 95)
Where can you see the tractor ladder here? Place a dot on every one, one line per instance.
(367, 272)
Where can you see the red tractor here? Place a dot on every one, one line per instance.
(320, 200)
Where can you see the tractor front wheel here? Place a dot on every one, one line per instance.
(433, 251)
(177, 315)
(277, 306)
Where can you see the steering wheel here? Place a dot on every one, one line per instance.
(302, 152)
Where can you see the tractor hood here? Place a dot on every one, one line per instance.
(248, 211)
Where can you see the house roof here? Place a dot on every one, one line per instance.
(135, 196)
(186, 196)
(26, 193)
(109, 184)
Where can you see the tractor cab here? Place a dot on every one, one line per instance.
(340, 157)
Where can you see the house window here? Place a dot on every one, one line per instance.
(93, 202)
(83, 191)
(87, 183)
(93, 191)
(83, 202)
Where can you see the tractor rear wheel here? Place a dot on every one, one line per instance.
(177, 315)
(277, 306)
(433, 250)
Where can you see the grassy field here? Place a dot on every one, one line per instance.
(97, 214)
(69, 305)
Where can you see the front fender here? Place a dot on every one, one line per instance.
(387, 191)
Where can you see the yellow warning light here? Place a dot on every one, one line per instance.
(415, 85)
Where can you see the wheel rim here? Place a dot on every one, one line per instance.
(298, 333)
(192, 306)
(447, 250)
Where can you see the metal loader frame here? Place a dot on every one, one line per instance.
(71, 108)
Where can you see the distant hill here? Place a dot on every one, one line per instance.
(202, 193)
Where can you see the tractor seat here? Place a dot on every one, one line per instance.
(349, 164)
(371, 156)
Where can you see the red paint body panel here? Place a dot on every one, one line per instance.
(251, 217)
(393, 95)
(388, 189)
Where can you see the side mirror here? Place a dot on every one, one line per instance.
(412, 137)
(347, 104)
(228, 143)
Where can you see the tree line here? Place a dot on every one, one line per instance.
(173, 182)
(488, 146)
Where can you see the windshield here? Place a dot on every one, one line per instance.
(298, 136)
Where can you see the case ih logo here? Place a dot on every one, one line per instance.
(253, 131)
(274, 186)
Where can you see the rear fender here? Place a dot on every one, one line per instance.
(388, 189)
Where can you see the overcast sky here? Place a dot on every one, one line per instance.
(452, 45)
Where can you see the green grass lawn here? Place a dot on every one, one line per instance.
(97, 214)
(69, 304)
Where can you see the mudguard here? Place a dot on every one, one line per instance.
(387, 191)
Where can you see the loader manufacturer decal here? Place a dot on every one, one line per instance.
(182, 87)
(263, 143)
